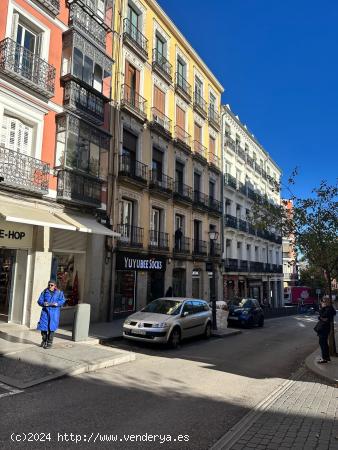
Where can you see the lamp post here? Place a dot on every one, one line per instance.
(213, 236)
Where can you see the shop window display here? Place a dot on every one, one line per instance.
(63, 270)
(125, 292)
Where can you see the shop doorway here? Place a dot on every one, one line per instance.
(7, 260)
(125, 292)
(179, 276)
(196, 283)
(156, 288)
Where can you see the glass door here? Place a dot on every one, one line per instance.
(126, 220)
(24, 54)
(155, 227)
(7, 259)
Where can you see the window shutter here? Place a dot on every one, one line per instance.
(212, 145)
(180, 117)
(12, 133)
(159, 99)
(16, 136)
(4, 131)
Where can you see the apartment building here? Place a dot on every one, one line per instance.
(290, 267)
(252, 257)
(55, 91)
(167, 161)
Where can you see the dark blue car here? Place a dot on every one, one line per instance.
(246, 312)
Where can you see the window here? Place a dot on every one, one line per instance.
(134, 20)
(179, 176)
(78, 63)
(179, 222)
(197, 231)
(181, 73)
(197, 182)
(227, 167)
(97, 84)
(126, 219)
(161, 50)
(87, 76)
(157, 165)
(198, 91)
(198, 132)
(248, 252)
(211, 189)
(159, 100)
(212, 102)
(238, 141)
(180, 117)
(16, 135)
(212, 145)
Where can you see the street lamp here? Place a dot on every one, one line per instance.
(213, 236)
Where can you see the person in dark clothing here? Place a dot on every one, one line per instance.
(169, 292)
(51, 300)
(326, 315)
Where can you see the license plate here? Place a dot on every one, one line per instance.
(141, 332)
(233, 318)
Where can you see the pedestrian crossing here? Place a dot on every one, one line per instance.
(6, 390)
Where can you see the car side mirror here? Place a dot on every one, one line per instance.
(185, 314)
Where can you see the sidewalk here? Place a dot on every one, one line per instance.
(327, 371)
(23, 363)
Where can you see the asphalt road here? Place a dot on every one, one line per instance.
(194, 394)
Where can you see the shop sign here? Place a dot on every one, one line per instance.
(131, 261)
(15, 235)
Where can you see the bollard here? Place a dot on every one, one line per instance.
(81, 322)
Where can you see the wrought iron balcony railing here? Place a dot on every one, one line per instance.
(160, 181)
(214, 117)
(231, 265)
(182, 86)
(214, 160)
(133, 100)
(252, 194)
(23, 172)
(231, 181)
(52, 5)
(129, 167)
(230, 221)
(27, 67)
(199, 149)
(78, 188)
(158, 240)
(201, 199)
(251, 229)
(214, 249)
(135, 37)
(230, 143)
(243, 265)
(215, 205)
(161, 119)
(199, 247)
(182, 191)
(181, 244)
(130, 236)
(84, 102)
(240, 152)
(81, 20)
(182, 136)
(200, 105)
(161, 64)
(250, 161)
(241, 187)
(242, 225)
(256, 266)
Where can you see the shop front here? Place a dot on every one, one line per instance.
(139, 279)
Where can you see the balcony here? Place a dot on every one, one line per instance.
(182, 139)
(132, 169)
(84, 102)
(162, 66)
(231, 265)
(160, 123)
(26, 67)
(182, 192)
(231, 221)
(200, 200)
(215, 249)
(231, 144)
(130, 236)
(200, 152)
(256, 266)
(161, 183)
(251, 229)
(243, 266)
(200, 105)
(240, 152)
(52, 5)
(250, 161)
(229, 180)
(78, 188)
(158, 240)
(181, 245)
(135, 39)
(182, 87)
(241, 187)
(199, 248)
(94, 10)
(215, 206)
(214, 118)
(215, 161)
(242, 225)
(23, 172)
(133, 102)
(252, 194)
(80, 20)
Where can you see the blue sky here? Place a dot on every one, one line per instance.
(278, 63)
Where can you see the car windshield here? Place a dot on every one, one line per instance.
(242, 303)
(163, 306)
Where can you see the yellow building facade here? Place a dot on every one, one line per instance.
(165, 195)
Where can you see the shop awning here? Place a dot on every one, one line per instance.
(86, 224)
(12, 212)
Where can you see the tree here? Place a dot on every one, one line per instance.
(313, 225)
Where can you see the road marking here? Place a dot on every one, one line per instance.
(10, 390)
(241, 427)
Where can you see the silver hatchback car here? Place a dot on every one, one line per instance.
(169, 320)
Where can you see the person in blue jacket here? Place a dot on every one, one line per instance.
(51, 300)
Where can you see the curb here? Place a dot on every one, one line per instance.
(321, 370)
(221, 334)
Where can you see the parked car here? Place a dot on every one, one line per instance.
(246, 312)
(169, 320)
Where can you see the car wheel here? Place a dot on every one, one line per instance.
(261, 322)
(175, 338)
(207, 331)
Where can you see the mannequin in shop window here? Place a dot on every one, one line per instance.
(51, 300)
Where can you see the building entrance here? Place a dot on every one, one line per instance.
(7, 260)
